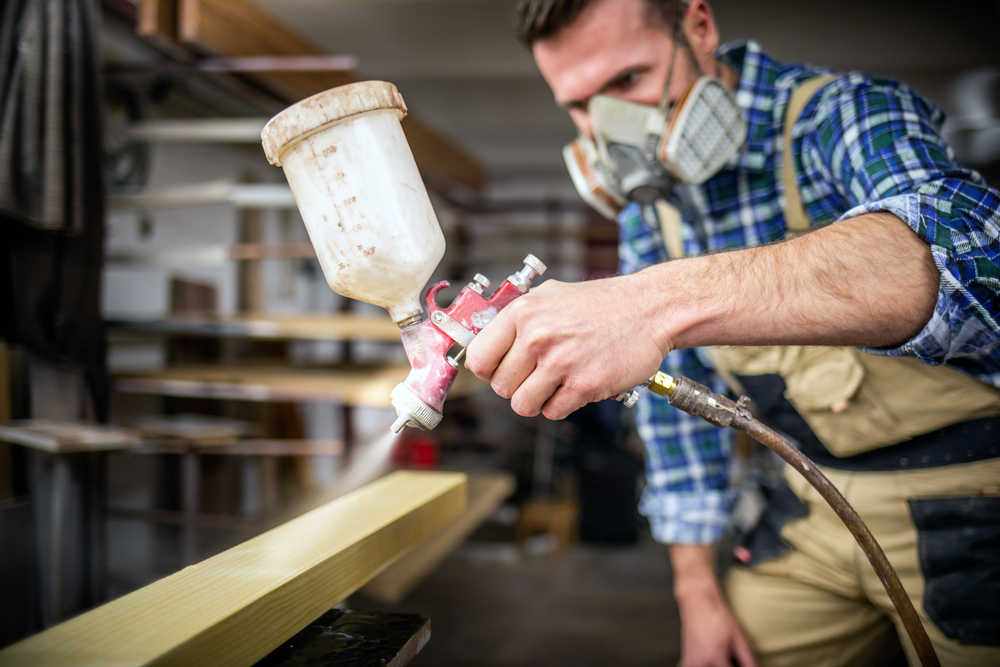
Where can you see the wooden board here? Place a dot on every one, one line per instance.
(156, 20)
(356, 386)
(62, 437)
(235, 608)
(335, 326)
(486, 492)
(235, 28)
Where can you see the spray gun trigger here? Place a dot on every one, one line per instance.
(453, 361)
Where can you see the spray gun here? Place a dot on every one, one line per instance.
(376, 234)
(419, 399)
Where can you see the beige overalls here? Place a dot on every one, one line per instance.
(819, 603)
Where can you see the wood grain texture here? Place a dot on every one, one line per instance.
(237, 28)
(349, 386)
(235, 608)
(486, 492)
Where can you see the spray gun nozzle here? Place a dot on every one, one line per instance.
(400, 422)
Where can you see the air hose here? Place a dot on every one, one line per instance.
(700, 401)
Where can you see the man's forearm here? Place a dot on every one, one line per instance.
(869, 281)
(694, 571)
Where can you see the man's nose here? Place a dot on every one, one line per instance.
(582, 121)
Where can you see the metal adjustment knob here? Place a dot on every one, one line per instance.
(522, 279)
(535, 264)
(479, 283)
(628, 398)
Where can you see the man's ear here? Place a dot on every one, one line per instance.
(701, 32)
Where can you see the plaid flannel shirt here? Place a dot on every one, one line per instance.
(862, 144)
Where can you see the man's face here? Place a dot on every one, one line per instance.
(613, 48)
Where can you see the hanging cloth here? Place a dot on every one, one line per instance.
(51, 184)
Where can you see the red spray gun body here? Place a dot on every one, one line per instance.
(419, 399)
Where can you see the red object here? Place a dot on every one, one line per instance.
(426, 346)
(415, 449)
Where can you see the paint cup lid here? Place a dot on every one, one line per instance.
(331, 106)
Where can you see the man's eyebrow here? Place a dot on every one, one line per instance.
(620, 76)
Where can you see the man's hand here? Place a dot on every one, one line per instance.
(710, 635)
(869, 281)
(564, 345)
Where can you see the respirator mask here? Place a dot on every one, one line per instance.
(639, 152)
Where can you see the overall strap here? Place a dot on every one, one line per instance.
(796, 218)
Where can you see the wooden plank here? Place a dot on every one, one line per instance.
(235, 608)
(235, 28)
(61, 437)
(486, 492)
(353, 386)
(156, 21)
(335, 326)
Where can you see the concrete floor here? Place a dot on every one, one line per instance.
(492, 607)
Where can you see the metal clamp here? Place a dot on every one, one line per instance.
(456, 331)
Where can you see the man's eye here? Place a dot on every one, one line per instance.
(628, 80)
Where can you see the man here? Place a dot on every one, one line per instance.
(908, 270)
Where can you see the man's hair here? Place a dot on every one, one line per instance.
(536, 20)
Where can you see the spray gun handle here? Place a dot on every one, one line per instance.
(420, 398)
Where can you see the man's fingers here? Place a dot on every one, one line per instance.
(742, 652)
(563, 402)
(515, 367)
(533, 393)
(488, 348)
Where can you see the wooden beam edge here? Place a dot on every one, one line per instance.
(236, 607)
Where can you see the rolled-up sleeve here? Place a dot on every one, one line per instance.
(880, 144)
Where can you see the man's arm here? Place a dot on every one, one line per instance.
(867, 281)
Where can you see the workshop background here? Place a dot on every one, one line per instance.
(238, 388)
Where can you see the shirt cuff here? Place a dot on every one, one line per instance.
(936, 342)
(699, 517)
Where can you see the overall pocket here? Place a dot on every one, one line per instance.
(959, 548)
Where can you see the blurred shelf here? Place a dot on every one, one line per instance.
(354, 386)
(62, 437)
(279, 447)
(206, 255)
(240, 195)
(337, 327)
(208, 130)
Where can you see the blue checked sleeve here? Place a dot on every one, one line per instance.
(687, 459)
(880, 145)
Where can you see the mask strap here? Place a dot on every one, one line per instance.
(678, 40)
